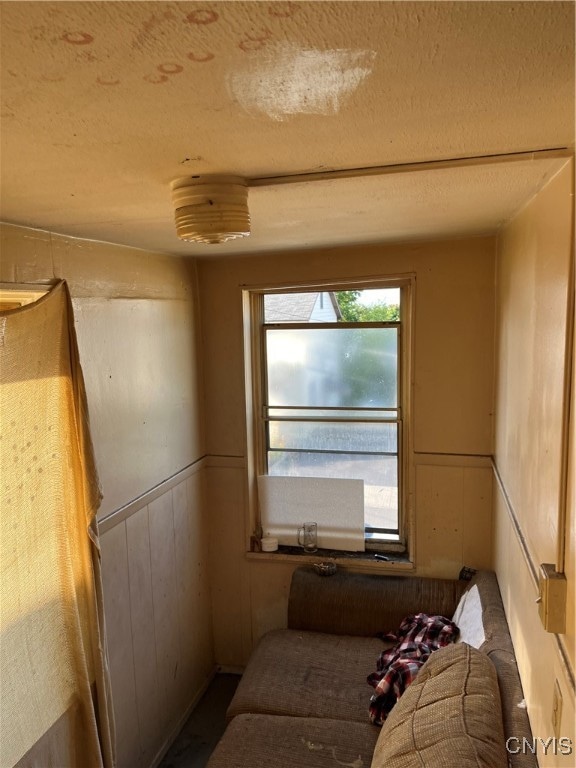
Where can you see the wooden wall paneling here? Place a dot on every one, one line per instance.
(199, 636)
(569, 639)
(477, 517)
(184, 535)
(116, 589)
(184, 580)
(439, 498)
(453, 347)
(269, 589)
(165, 599)
(144, 635)
(158, 604)
(537, 652)
(454, 515)
(534, 282)
(228, 575)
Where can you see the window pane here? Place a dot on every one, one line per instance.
(340, 436)
(344, 367)
(308, 307)
(380, 475)
(370, 297)
(355, 306)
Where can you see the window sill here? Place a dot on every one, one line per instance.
(357, 561)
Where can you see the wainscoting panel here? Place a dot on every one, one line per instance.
(157, 605)
(144, 644)
(453, 517)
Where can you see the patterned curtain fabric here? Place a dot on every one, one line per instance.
(55, 696)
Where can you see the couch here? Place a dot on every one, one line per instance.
(303, 699)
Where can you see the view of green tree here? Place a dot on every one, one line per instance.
(354, 312)
(348, 303)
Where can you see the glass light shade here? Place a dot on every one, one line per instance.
(211, 209)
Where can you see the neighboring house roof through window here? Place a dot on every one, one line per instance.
(297, 307)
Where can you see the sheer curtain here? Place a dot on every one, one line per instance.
(55, 698)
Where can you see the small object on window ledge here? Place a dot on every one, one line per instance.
(325, 569)
(307, 537)
(381, 557)
(269, 544)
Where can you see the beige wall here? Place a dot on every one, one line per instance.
(137, 328)
(534, 316)
(135, 316)
(452, 397)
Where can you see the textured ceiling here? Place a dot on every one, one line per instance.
(104, 103)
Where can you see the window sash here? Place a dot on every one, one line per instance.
(373, 535)
(381, 472)
(307, 445)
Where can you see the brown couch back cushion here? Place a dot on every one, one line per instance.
(364, 604)
(449, 716)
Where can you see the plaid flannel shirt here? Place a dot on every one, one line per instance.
(417, 637)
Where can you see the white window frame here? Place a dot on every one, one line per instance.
(253, 313)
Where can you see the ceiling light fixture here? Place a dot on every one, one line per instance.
(211, 209)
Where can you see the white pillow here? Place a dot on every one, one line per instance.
(468, 618)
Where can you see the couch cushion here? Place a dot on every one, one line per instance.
(308, 674)
(365, 604)
(449, 716)
(272, 741)
(498, 647)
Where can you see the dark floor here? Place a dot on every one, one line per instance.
(204, 727)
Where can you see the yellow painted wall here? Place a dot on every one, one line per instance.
(534, 316)
(452, 415)
(136, 322)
